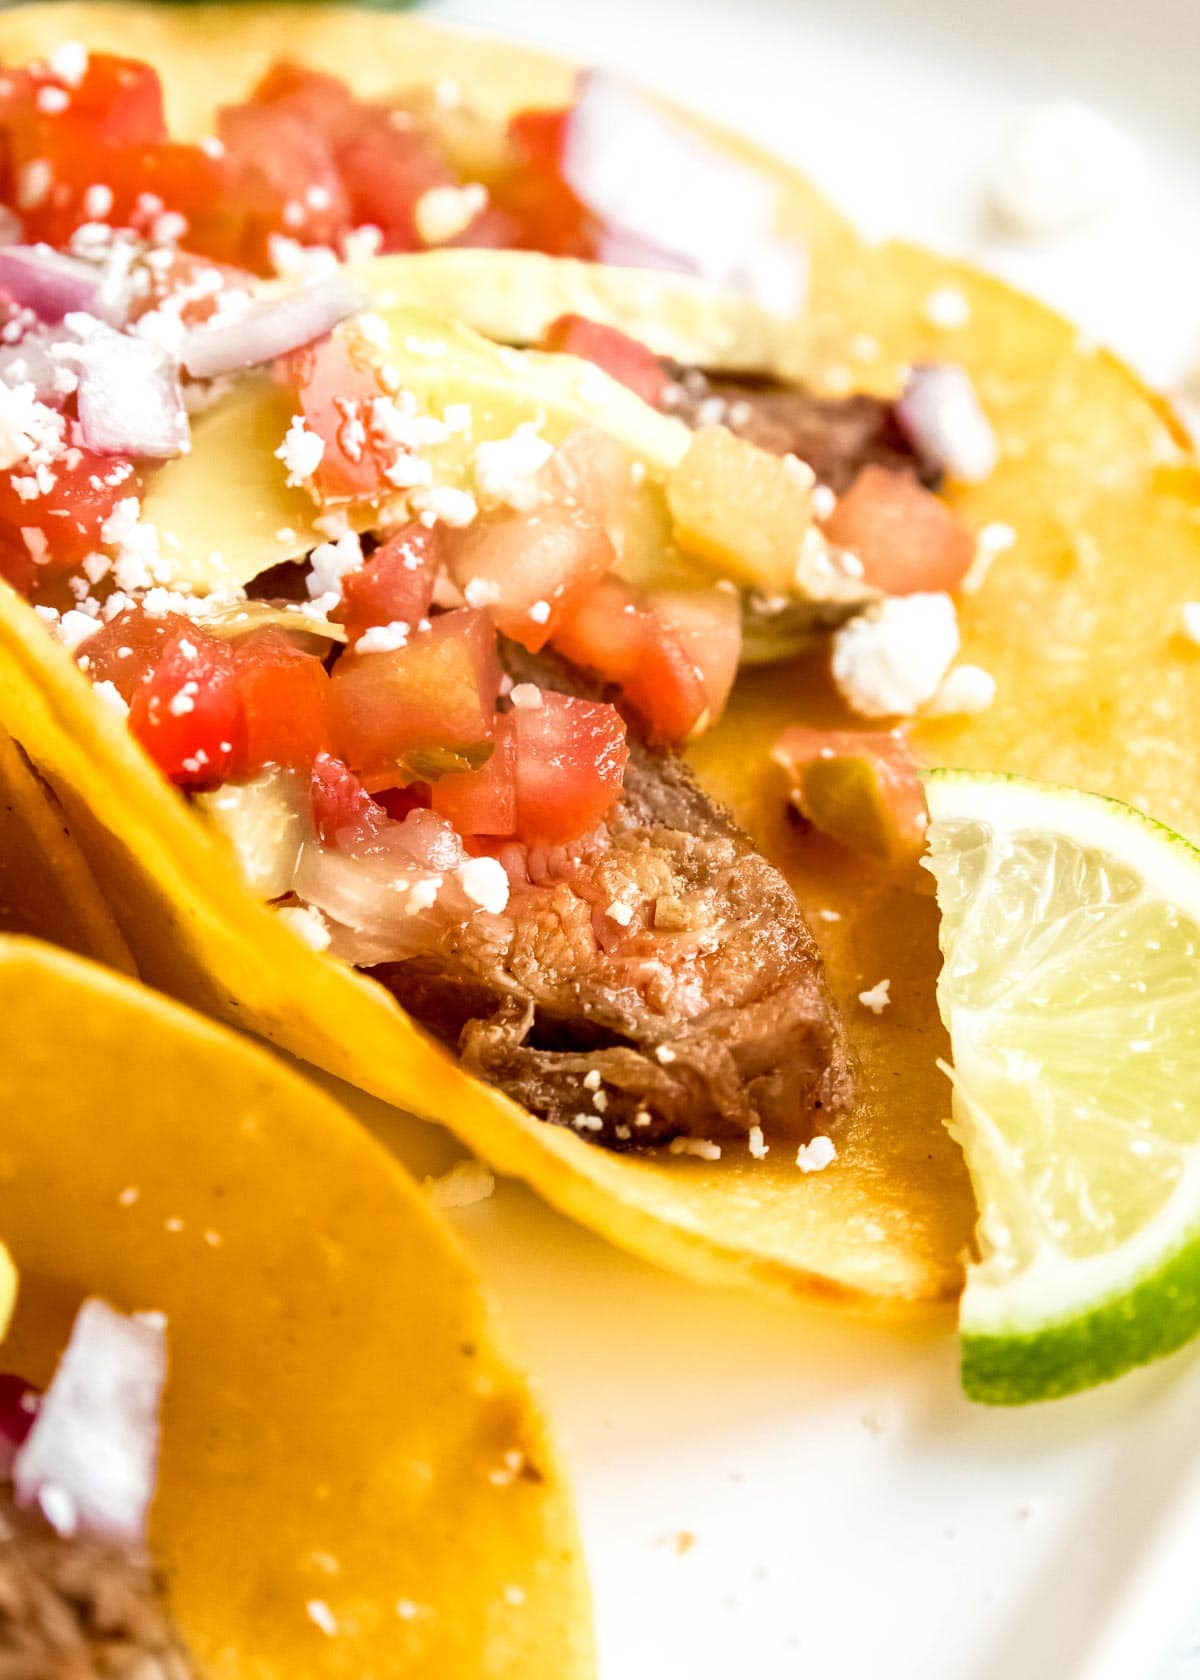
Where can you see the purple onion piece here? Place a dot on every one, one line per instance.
(271, 327)
(50, 284)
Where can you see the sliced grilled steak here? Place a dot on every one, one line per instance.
(705, 1015)
(74, 1609)
(837, 436)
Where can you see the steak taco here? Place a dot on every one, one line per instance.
(254, 1420)
(521, 538)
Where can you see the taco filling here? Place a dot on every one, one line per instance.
(78, 1592)
(438, 704)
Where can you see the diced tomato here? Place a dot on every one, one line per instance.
(533, 565)
(437, 694)
(186, 711)
(395, 585)
(398, 802)
(571, 758)
(547, 213)
(284, 696)
(341, 805)
(118, 102)
(604, 630)
(322, 100)
(386, 169)
(287, 177)
(126, 649)
(621, 356)
(483, 801)
(335, 382)
(861, 788)
(906, 537)
(707, 624)
(50, 534)
(666, 690)
(673, 654)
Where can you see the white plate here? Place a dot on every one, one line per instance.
(849, 1515)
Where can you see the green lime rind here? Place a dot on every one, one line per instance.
(1153, 1318)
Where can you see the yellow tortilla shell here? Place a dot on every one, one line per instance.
(47, 887)
(1074, 622)
(340, 1427)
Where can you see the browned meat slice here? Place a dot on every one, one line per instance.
(73, 1609)
(837, 436)
(655, 981)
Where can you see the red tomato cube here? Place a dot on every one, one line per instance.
(343, 810)
(395, 585)
(667, 689)
(335, 383)
(50, 534)
(621, 356)
(126, 649)
(906, 537)
(707, 624)
(571, 758)
(386, 169)
(531, 566)
(284, 695)
(437, 692)
(483, 801)
(186, 711)
(605, 631)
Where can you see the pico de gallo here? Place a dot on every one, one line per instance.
(364, 703)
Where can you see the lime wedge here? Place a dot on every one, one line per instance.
(1071, 991)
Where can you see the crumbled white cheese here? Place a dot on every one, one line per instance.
(968, 689)
(441, 502)
(505, 471)
(135, 540)
(383, 638)
(878, 998)
(1062, 166)
(301, 452)
(485, 882)
(1189, 621)
(481, 592)
(30, 432)
(823, 501)
(817, 1155)
(703, 1148)
(664, 1054)
(51, 100)
(75, 627)
(468, 1181)
(758, 1145)
(892, 658)
(593, 1080)
(330, 562)
(97, 202)
(992, 540)
(943, 417)
(947, 308)
(307, 921)
(111, 696)
(620, 912)
(319, 1613)
(442, 213)
(422, 895)
(33, 184)
(526, 697)
(69, 62)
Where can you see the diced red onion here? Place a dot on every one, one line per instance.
(30, 362)
(940, 415)
(19, 1402)
(91, 1459)
(270, 327)
(657, 184)
(130, 401)
(45, 281)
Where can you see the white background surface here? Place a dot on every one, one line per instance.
(852, 1516)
